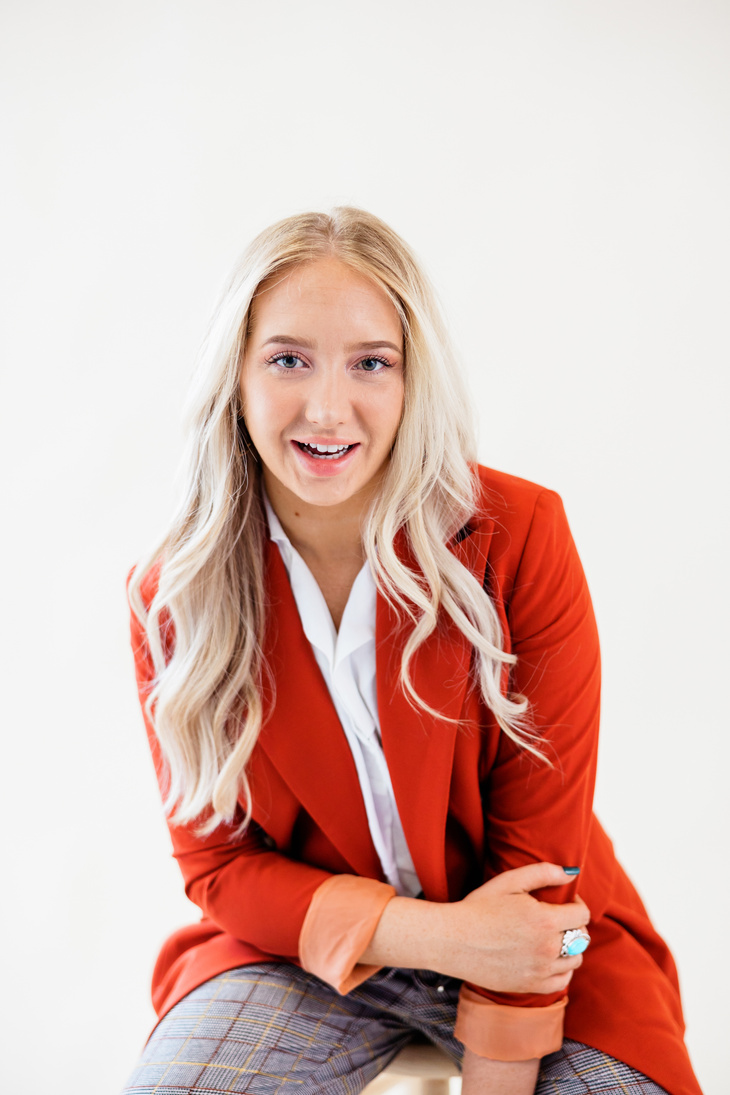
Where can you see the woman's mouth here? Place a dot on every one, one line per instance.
(323, 460)
(324, 452)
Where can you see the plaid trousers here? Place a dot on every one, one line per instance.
(273, 1029)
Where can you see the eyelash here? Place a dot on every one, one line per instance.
(371, 357)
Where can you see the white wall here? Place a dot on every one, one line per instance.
(563, 169)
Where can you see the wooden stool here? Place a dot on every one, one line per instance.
(423, 1063)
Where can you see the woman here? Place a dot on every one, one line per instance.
(370, 677)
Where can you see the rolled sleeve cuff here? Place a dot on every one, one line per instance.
(507, 1033)
(340, 922)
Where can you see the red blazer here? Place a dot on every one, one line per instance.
(472, 804)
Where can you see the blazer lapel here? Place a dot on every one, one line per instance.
(303, 738)
(419, 747)
(302, 734)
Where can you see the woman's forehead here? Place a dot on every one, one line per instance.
(325, 294)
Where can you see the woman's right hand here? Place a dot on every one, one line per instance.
(502, 938)
(498, 937)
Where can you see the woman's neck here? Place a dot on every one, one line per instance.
(325, 536)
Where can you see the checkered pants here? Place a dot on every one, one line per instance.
(273, 1028)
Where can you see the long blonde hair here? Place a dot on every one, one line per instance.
(205, 701)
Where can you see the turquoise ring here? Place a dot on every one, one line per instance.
(575, 941)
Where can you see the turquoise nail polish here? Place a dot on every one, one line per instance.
(572, 870)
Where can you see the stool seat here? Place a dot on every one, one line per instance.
(419, 1061)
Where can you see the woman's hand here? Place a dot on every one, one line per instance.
(498, 937)
(502, 938)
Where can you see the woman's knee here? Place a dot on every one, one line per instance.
(263, 1028)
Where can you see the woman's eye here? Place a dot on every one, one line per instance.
(288, 361)
(373, 364)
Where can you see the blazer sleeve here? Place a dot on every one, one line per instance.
(282, 906)
(533, 812)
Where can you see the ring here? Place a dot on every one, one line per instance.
(575, 941)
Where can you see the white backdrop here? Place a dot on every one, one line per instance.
(563, 169)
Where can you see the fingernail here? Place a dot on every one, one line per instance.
(572, 870)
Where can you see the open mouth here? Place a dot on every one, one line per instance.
(325, 452)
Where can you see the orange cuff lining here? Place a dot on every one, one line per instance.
(340, 922)
(507, 1033)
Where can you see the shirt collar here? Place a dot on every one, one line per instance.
(357, 626)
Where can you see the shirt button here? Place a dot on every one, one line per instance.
(439, 988)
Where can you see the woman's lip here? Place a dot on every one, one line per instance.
(322, 441)
(323, 468)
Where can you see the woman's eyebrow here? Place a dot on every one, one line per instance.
(309, 345)
(373, 346)
(305, 342)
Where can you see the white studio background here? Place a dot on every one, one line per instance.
(563, 169)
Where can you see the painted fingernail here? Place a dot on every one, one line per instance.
(572, 870)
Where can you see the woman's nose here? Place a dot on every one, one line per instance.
(328, 401)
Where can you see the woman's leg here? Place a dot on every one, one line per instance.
(273, 1028)
(427, 1002)
(267, 1029)
(580, 1070)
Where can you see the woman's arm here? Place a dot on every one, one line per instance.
(498, 936)
(480, 1075)
(226, 877)
(536, 813)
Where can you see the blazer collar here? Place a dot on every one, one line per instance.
(303, 738)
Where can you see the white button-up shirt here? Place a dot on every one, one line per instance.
(347, 662)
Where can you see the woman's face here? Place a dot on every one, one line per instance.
(322, 383)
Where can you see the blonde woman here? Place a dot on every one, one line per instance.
(369, 671)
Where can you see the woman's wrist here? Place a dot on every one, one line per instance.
(411, 934)
(480, 1074)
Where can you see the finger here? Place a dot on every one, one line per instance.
(586, 911)
(570, 915)
(562, 917)
(558, 983)
(569, 962)
(533, 877)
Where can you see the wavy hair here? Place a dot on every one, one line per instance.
(205, 700)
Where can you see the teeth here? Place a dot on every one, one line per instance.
(325, 452)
